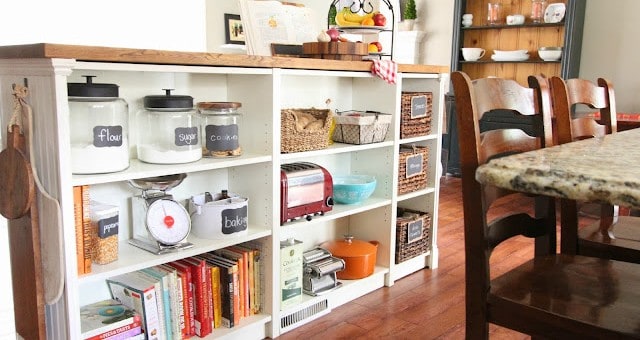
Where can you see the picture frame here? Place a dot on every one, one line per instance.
(234, 31)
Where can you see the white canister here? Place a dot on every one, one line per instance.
(214, 217)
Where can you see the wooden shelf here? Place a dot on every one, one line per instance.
(526, 25)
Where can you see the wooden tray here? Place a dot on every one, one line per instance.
(335, 50)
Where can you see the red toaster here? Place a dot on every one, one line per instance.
(306, 189)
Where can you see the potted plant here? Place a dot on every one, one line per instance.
(409, 15)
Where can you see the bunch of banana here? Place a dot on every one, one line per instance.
(347, 18)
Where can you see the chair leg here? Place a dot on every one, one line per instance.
(545, 208)
(569, 227)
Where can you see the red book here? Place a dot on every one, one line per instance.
(198, 275)
(187, 296)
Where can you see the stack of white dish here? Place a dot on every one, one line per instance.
(515, 55)
(550, 53)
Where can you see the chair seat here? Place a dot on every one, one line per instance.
(624, 247)
(598, 298)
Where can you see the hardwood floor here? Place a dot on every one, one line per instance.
(428, 304)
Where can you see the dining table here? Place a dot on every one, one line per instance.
(602, 169)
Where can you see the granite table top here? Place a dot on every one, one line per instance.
(605, 170)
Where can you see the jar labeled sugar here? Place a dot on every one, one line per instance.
(220, 123)
(168, 130)
(98, 121)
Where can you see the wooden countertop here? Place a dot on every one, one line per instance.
(148, 56)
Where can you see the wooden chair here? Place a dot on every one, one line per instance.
(613, 236)
(551, 295)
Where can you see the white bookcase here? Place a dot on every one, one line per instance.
(264, 86)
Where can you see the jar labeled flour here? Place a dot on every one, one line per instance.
(168, 130)
(98, 127)
(220, 123)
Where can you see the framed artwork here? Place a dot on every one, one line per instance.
(234, 32)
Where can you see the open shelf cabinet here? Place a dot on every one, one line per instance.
(263, 87)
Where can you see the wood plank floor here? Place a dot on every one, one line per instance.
(428, 304)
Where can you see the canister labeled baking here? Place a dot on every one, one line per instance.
(98, 121)
(220, 129)
(290, 272)
(168, 130)
(215, 217)
(104, 232)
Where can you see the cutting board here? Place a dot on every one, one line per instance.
(336, 50)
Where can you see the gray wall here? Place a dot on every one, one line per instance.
(610, 48)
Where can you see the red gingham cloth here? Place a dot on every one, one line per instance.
(385, 69)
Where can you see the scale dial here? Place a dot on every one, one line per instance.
(168, 221)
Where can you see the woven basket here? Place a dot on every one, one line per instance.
(356, 127)
(409, 241)
(418, 122)
(295, 138)
(412, 179)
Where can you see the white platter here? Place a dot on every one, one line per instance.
(510, 58)
(554, 13)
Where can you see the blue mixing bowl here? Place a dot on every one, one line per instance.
(352, 189)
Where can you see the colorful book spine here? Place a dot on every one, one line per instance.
(175, 293)
(184, 273)
(164, 303)
(217, 300)
(77, 211)
(86, 228)
(123, 332)
(198, 275)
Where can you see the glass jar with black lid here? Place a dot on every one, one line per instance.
(98, 121)
(168, 130)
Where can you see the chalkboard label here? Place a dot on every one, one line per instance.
(106, 136)
(234, 220)
(414, 165)
(222, 137)
(186, 136)
(414, 231)
(108, 226)
(418, 107)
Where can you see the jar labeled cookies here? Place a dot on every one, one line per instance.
(220, 133)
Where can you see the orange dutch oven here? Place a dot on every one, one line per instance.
(359, 256)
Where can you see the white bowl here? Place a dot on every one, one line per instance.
(508, 54)
(550, 53)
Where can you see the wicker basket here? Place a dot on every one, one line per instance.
(295, 138)
(357, 127)
(414, 176)
(411, 240)
(415, 119)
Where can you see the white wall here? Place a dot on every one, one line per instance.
(153, 24)
(610, 49)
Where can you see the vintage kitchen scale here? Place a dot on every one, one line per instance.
(319, 271)
(160, 224)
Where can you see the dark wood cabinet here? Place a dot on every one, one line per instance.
(528, 36)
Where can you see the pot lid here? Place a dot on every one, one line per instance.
(350, 247)
(168, 101)
(91, 89)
